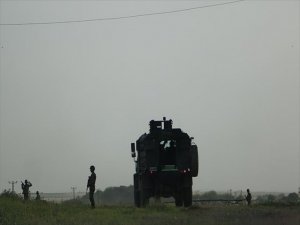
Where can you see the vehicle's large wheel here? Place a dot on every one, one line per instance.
(178, 199)
(194, 160)
(137, 201)
(187, 196)
(144, 198)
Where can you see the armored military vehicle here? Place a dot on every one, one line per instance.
(166, 161)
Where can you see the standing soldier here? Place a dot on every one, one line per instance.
(248, 197)
(25, 188)
(38, 197)
(91, 185)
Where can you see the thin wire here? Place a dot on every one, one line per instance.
(120, 17)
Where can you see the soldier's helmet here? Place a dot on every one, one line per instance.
(26, 181)
(92, 168)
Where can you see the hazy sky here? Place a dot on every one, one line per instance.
(78, 94)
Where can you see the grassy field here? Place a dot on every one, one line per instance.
(17, 212)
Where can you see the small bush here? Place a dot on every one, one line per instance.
(10, 194)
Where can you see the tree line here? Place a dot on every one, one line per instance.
(123, 195)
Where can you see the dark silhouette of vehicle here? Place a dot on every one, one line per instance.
(166, 162)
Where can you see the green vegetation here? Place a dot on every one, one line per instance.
(291, 198)
(122, 195)
(213, 195)
(14, 211)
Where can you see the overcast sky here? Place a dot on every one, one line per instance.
(78, 94)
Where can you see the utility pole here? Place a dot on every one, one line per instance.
(12, 185)
(73, 189)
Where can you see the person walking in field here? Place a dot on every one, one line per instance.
(248, 197)
(25, 188)
(91, 186)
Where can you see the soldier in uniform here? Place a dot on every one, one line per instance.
(248, 197)
(25, 188)
(91, 186)
(38, 197)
